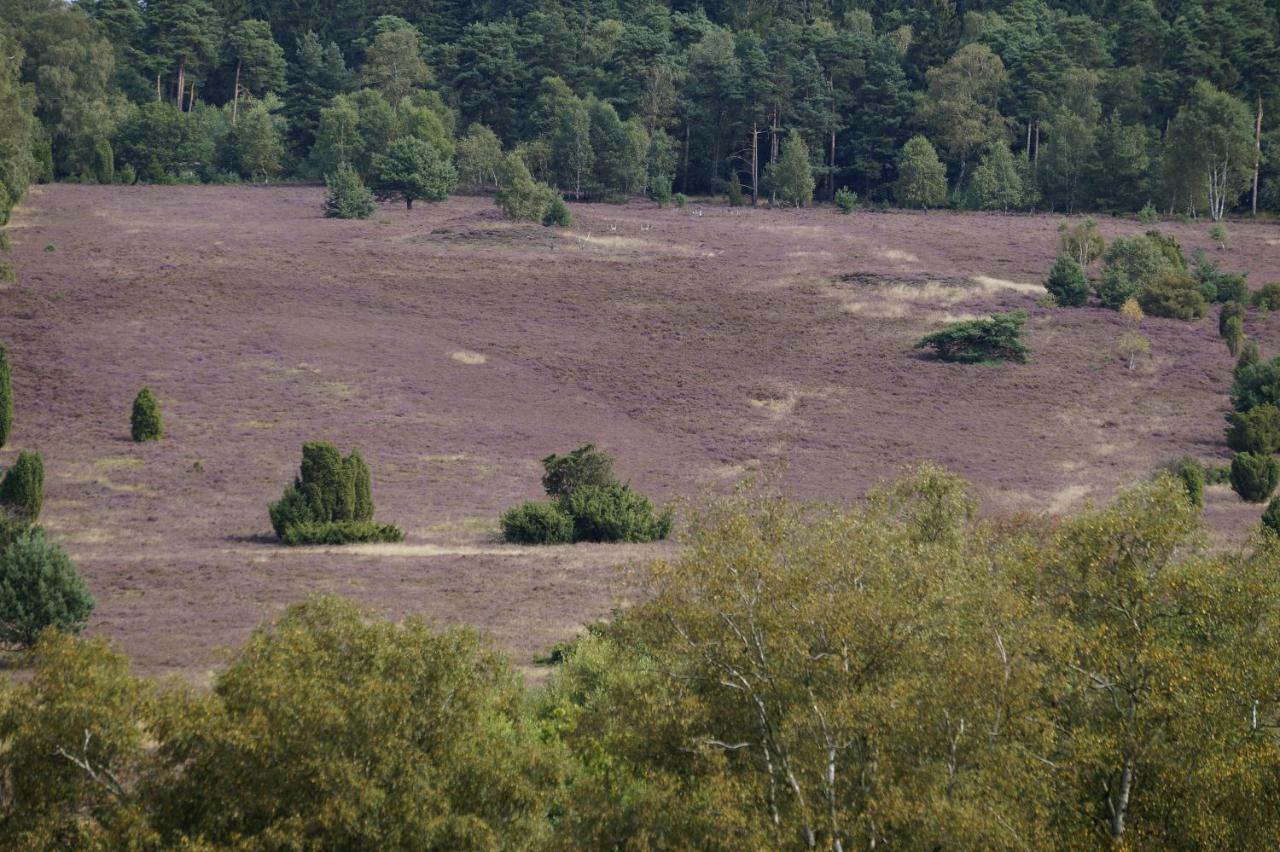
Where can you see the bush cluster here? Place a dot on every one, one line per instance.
(997, 338)
(1191, 474)
(588, 504)
(1216, 285)
(330, 501)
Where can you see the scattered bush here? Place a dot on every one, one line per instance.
(6, 398)
(1218, 233)
(1234, 335)
(1271, 516)
(22, 489)
(1218, 286)
(587, 465)
(1067, 282)
(1268, 297)
(1190, 473)
(146, 423)
(1173, 295)
(846, 199)
(1230, 310)
(1255, 431)
(1249, 355)
(104, 162)
(1132, 347)
(1082, 241)
(1130, 263)
(127, 175)
(347, 197)
(680, 200)
(330, 501)
(611, 513)
(557, 214)
(733, 191)
(520, 197)
(1254, 477)
(39, 589)
(537, 523)
(1148, 215)
(1170, 248)
(998, 338)
(1255, 382)
(413, 170)
(1132, 312)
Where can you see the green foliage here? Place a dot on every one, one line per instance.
(557, 214)
(1268, 296)
(1271, 516)
(587, 465)
(996, 183)
(1254, 477)
(1208, 157)
(1173, 295)
(1129, 265)
(1148, 215)
(1082, 241)
(104, 162)
(733, 191)
(680, 200)
(1255, 382)
(412, 169)
(479, 158)
(922, 179)
(1067, 282)
(347, 197)
(145, 422)
(521, 197)
(330, 501)
(998, 338)
(6, 398)
(1255, 431)
(39, 588)
(1191, 474)
(846, 200)
(1234, 335)
(127, 175)
(1230, 311)
(1170, 248)
(1218, 233)
(612, 513)
(22, 488)
(537, 523)
(791, 178)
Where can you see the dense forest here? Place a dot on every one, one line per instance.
(1064, 105)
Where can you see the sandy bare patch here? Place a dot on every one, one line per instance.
(1065, 498)
(464, 356)
(776, 404)
(986, 282)
(899, 255)
(117, 463)
(947, 317)
(876, 310)
(637, 245)
(822, 255)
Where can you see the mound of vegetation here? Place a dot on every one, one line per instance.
(330, 501)
(977, 341)
(1173, 295)
(588, 504)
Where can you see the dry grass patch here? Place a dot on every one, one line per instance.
(992, 285)
(465, 356)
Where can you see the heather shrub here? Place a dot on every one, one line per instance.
(6, 398)
(1254, 476)
(557, 214)
(610, 513)
(1268, 296)
(537, 523)
(998, 338)
(146, 422)
(39, 589)
(1067, 282)
(587, 465)
(330, 501)
(22, 489)
(1256, 430)
(347, 197)
(846, 199)
(1173, 295)
(1190, 473)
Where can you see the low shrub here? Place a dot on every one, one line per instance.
(1082, 241)
(1234, 335)
(1218, 233)
(1115, 288)
(1271, 516)
(998, 338)
(680, 200)
(146, 422)
(1268, 296)
(1168, 246)
(1230, 310)
(22, 489)
(1148, 215)
(1133, 346)
(1254, 476)
(846, 200)
(39, 588)
(587, 465)
(1190, 473)
(1131, 263)
(537, 523)
(341, 532)
(1255, 382)
(1216, 285)
(1067, 282)
(614, 513)
(1173, 295)
(1219, 474)
(347, 197)
(557, 214)
(733, 191)
(1256, 430)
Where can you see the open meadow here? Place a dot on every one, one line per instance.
(455, 349)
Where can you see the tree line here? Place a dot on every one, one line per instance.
(1064, 105)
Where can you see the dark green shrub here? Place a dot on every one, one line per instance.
(537, 523)
(1229, 310)
(1067, 282)
(1173, 295)
(614, 513)
(1148, 215)
(846, 199)
(586, 465)
(1217, 474)
(1254, 476)
(39, 588)
(1190, 473)
(329, 490)
(1115, 288)
(1249, 355)
(1129, 264)
(147, 424)
(998, 338)
(1268, 297)
(1271, 516)
(22, 489)
(128, 176)
(1234, 335)
(1170, 248)
(1255, 431)
(42, 152)
(104, 162)
(341, 532)
(680, 200)
(1256, 383)
(6, 398)
(347, 197)
(733, 191)
(1231, 287)
(557, 215)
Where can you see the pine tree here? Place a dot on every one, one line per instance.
(146, 422)
(792, 176)
(22, 489)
